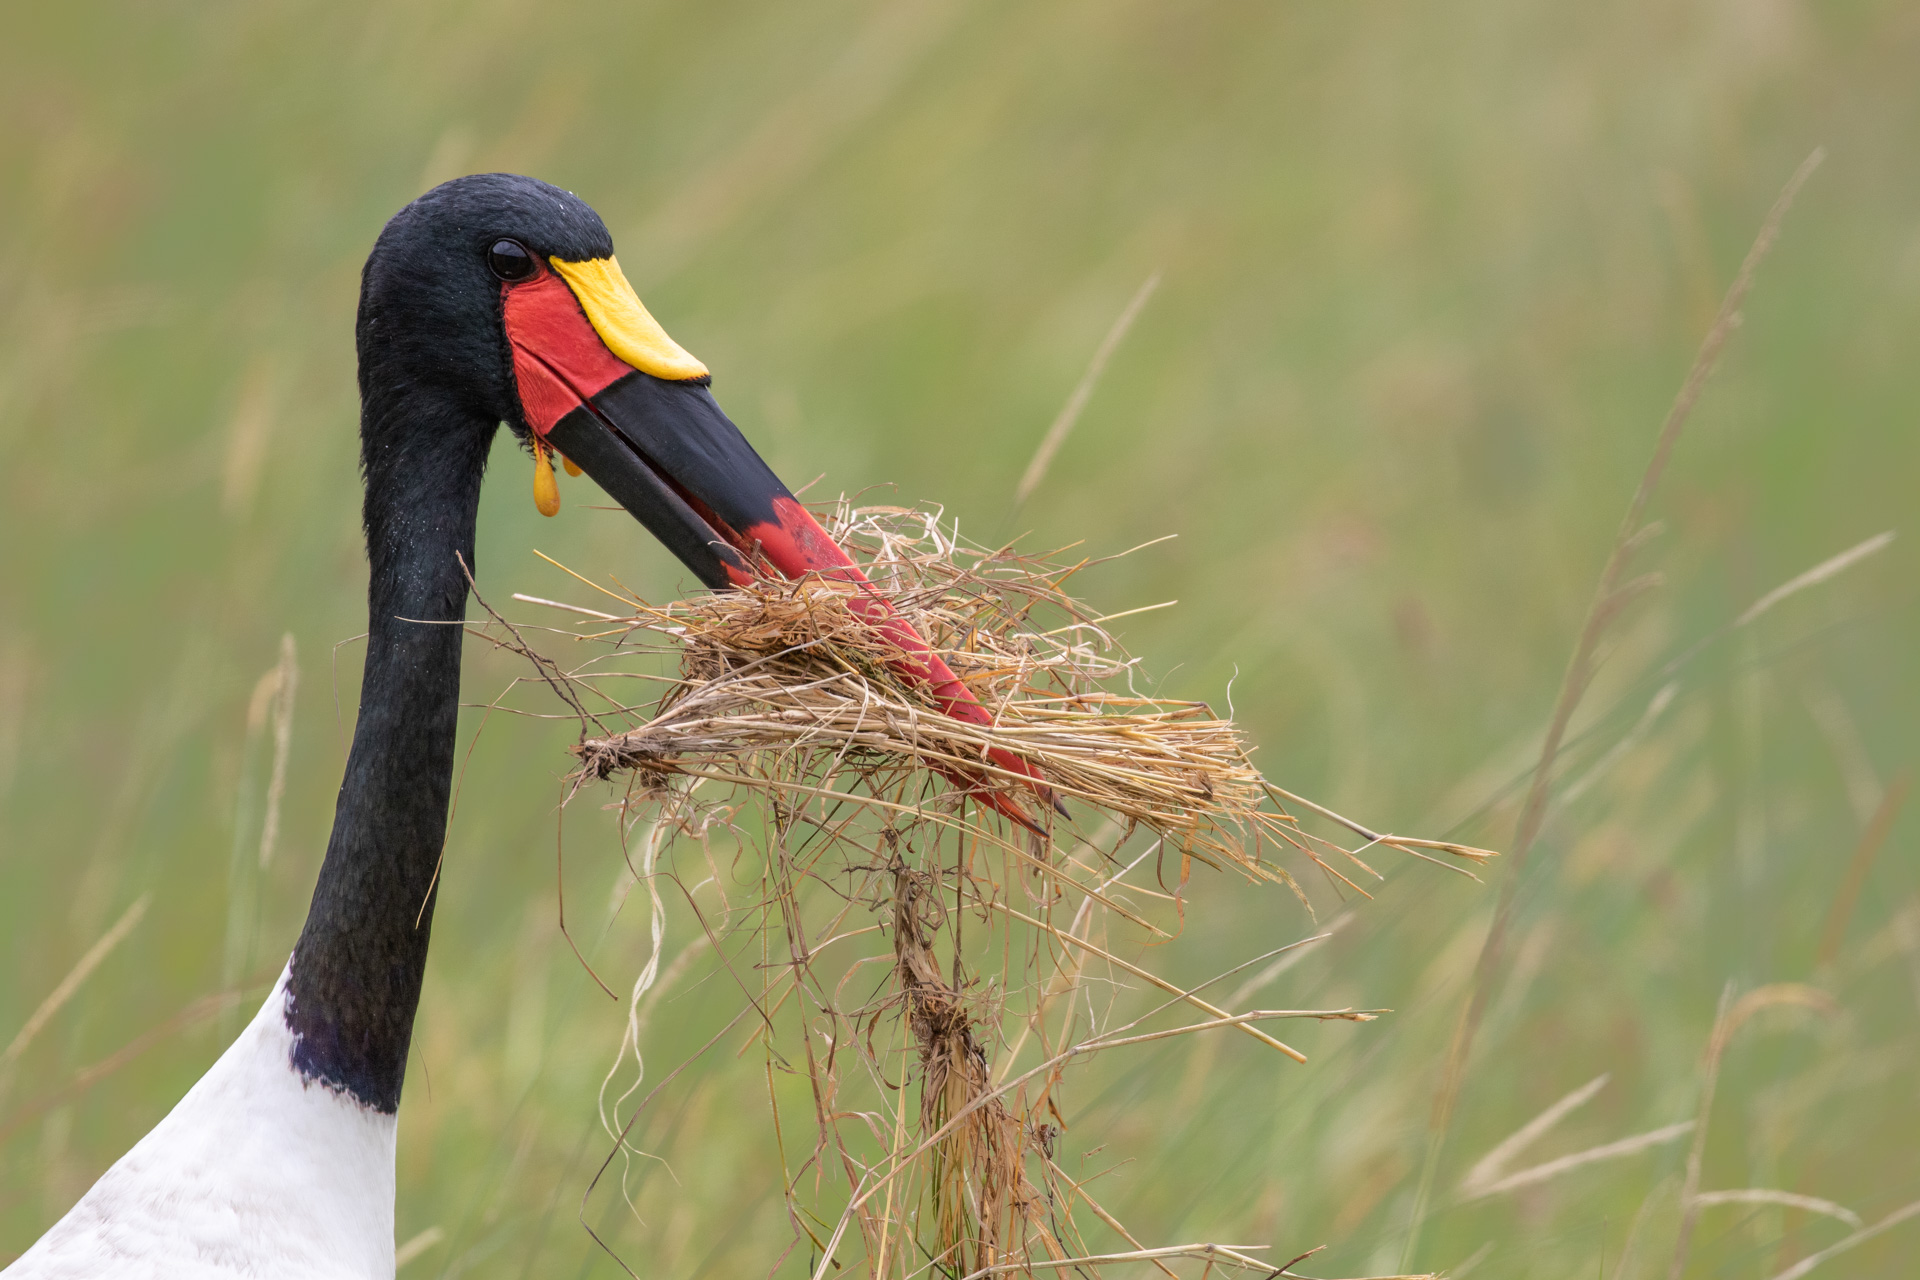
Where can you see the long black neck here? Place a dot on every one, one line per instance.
(356, 971)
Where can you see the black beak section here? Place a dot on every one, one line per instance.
(610, 450)
(666, 452)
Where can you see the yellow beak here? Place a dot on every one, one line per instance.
(627, 328)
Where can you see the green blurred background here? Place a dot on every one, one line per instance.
(1431, 275)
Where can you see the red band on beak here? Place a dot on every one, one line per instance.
(796, 545)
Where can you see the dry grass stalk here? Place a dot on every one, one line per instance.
(1733, 1014)
(81, 971)
(1903, 1214)
(779, 693)
(1610, 599)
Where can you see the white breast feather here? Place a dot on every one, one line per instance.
(256, 1173)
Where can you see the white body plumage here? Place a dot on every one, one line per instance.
(257, 1172)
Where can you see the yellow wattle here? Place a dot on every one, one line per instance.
(546, 490)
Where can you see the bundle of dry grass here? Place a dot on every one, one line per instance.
(780, 668)
(872, 802)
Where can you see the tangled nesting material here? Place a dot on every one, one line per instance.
(780, 692)
(786, 670)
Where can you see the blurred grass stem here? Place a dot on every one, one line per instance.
(1871, 840)
(1732, 1015)
(1813, 1260)
(1082, 392)
(1609, 598)
(271, 708)
(57, 998)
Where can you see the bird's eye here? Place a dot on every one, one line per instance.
(510, 261)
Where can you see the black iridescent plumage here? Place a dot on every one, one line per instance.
(436, 381)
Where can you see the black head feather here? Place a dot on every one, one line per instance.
(430, 323)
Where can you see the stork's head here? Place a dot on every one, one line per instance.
(497, 298)
(502, 295)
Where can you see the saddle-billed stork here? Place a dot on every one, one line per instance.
(492, 298)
